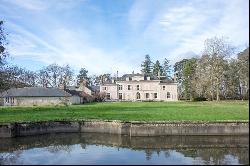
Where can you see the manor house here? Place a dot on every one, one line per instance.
(140, 87)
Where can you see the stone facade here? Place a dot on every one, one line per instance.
(81, 88)
(127, 128)
(35, 101)
(140, 87)
(81, 93)
(32, 96)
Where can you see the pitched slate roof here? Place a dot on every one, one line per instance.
(35, 92)
(73, 92)
(167, 80)
(95, 88)
(163, 79)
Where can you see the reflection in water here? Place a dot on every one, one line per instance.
(93, 148)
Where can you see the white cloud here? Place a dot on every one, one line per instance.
(178, 29)
(41, 5)
(69, 47)
(139, 13)
(30, 4)
(186, 27)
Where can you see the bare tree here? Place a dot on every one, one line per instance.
(3, 43)
(218, 49)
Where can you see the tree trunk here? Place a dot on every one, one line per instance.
(217, 91)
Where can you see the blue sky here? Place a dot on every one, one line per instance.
(110, 35)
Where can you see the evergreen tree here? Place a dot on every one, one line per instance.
(83, 74)
(188, 78)
(167, 68)
(146, 65)
(157, 68)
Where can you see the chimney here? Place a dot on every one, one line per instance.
(102, 79)
(174, 78)
(82, 84)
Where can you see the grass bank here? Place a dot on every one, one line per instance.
(131, 111)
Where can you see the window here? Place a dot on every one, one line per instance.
(120, 96)
(147, 95)
(163, 87)
(138, 96)
(7, 100)
(104, 88)
(12, 100)
(155, 95)
(138, 87)
(120, 87)
(129, 87)
(108, 96)
(168, 95)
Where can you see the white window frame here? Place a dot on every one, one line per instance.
(7, 100)
(168, 95)
(120, 94)
(108, 96)
(138, 95)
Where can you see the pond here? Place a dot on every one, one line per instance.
(94, 148)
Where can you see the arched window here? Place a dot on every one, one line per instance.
(138, 96)
(168, 95)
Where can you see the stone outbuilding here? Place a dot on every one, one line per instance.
(32, 96)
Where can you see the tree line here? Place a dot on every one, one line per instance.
(52, 75)
(214, 75)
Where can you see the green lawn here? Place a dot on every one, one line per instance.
(131, 111)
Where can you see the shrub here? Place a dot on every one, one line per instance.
(199, 99)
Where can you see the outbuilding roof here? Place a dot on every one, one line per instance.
(35, 92)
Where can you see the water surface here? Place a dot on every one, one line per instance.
(94, 148)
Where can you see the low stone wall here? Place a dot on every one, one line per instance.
(127, 128)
